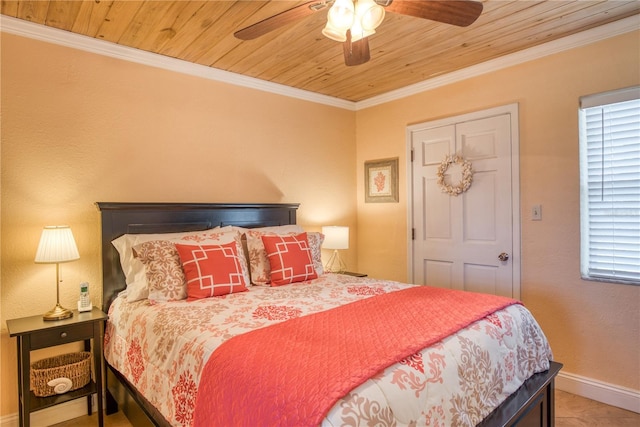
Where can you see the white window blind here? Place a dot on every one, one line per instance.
(610, 186)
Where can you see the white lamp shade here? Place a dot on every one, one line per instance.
(56, 245)
(341, 14)
(335, 237)
(334, 33)
(369, 14)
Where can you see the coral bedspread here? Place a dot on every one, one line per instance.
(162, 350)
(301, 368)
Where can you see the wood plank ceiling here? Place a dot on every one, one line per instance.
(405, 50)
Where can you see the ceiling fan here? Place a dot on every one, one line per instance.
(353, 21)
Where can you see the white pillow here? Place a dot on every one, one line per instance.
(137, 290)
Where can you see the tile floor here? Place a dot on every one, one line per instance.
(576, 411)
(571, 411)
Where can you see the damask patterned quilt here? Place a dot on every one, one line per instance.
(162, 350)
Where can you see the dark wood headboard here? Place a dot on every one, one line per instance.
(138, 218)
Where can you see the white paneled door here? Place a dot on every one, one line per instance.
(469, 241)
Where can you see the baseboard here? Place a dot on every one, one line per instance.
(610, 394)
(52, 415)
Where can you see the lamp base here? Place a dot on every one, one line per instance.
(57, 313)
(335, 264)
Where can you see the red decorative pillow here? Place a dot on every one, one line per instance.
(289, 258)
(211, 270)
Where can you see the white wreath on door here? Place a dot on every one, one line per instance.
(467, 175)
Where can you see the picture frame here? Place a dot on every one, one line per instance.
(381, 181)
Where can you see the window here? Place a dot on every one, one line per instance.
(610, 186)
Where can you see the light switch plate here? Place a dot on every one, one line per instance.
(536, 213)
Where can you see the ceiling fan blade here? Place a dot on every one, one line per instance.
(283, 18)
(356, 53)
(455, 12)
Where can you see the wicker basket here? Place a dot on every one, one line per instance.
(75, 366)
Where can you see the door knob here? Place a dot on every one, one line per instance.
(503, 256)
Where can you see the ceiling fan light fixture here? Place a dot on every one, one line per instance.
(334, 33)
(369, 14)
(357, 32)
(362, 17)
(341, 14)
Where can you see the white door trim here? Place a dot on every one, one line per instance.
(512, 110)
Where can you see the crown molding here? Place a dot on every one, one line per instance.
(40, 32)
(43, 33)
(583, 38)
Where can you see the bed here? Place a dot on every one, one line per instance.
(523, 401)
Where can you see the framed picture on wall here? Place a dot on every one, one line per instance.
(381, 181)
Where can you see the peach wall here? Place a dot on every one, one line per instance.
(594, 328)
(79, 128)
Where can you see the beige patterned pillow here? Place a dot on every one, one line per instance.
(315, 244)
(165, 277)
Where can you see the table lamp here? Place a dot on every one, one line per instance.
(57, 246)
(335, 237)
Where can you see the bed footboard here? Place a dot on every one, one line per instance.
(531, 405)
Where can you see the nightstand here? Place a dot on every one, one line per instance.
(350, 273)
(34, 333)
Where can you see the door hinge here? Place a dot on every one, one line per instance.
(412, 154)
(413, 234)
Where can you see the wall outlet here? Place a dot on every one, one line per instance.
(536, 213)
